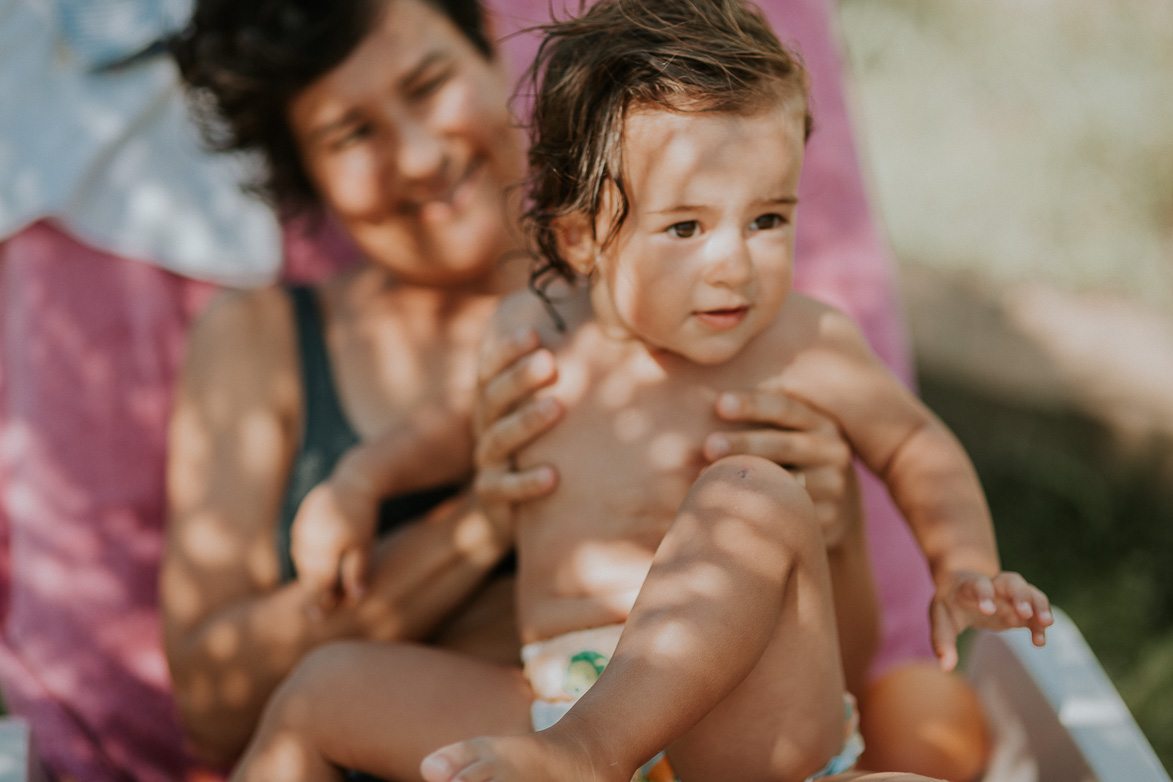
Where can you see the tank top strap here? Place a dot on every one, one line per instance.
(326, 431)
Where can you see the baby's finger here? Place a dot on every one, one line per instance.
(1015, 591)
(1042, 607)
(503, 438)
(1043, 618)
(493, 486)
(352, 572)
(502, 392)
(978, 592)
(943, 633)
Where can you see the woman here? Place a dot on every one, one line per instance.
(392, 117)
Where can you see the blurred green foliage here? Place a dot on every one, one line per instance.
(1089, 522)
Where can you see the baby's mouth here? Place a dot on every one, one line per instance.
(723, 318)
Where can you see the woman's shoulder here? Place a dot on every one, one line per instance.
(245, 343)
(554, 313)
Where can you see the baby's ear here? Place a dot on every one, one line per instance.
(576, 241)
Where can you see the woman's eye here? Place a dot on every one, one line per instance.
(684, 230)
(351, 136)
(766, 222)
(431, 83)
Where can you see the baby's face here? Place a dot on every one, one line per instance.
(704, 260)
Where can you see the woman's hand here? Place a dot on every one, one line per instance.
(801, 439)
(507, 418)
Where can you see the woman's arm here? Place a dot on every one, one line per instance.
(232, 631)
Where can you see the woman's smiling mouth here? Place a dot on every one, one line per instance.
(447, 202)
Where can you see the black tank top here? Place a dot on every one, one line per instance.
(327, 434)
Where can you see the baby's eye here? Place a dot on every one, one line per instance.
(684, 230)
(766, 222)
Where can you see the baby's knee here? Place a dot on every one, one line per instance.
(759, 493)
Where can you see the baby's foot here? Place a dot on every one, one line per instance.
(538, 757)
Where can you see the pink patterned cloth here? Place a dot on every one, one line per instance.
(90, 345)
(89, 349)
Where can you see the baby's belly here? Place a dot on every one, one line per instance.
(576, 586)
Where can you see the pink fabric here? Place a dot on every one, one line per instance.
(89, 349)
(843, 260)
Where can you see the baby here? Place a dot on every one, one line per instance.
(668, 141)
(677, 620)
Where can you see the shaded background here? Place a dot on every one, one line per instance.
(1020, 153)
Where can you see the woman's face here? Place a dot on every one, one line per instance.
(410, 144)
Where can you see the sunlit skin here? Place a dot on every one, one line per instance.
(411, 149)
(689, 300)
(722, 580)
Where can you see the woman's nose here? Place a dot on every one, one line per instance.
(421, 163)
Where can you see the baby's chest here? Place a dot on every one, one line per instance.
(627, 449)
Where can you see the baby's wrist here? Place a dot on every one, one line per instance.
(354, 477)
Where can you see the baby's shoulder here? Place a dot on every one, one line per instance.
(805, 324)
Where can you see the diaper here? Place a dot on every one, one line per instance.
(562, 668)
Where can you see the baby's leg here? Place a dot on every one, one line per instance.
(730, 652)
(379, 708)
(857, 613)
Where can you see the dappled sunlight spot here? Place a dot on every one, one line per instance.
(237, 687)
(260, 439)
(260, 562)
(283, 759)
(632, 425)
(224, 641)
(669, 449)
(604, 568)
(186, 486)
(184, 599)
(208, 542)
(56, 579)
(696, 581)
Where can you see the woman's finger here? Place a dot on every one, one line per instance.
(501, 353)
(503, 438)
(508, 388)
(501, 486)
(788, 447)
(773, 407)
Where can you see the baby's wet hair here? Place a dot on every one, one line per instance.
(593, 69)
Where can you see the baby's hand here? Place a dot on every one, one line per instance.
(331, 541)
(968, 599)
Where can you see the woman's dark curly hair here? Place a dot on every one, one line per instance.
(243, 61)
(684, 55)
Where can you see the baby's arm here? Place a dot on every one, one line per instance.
(931, 480)
(334, 530)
